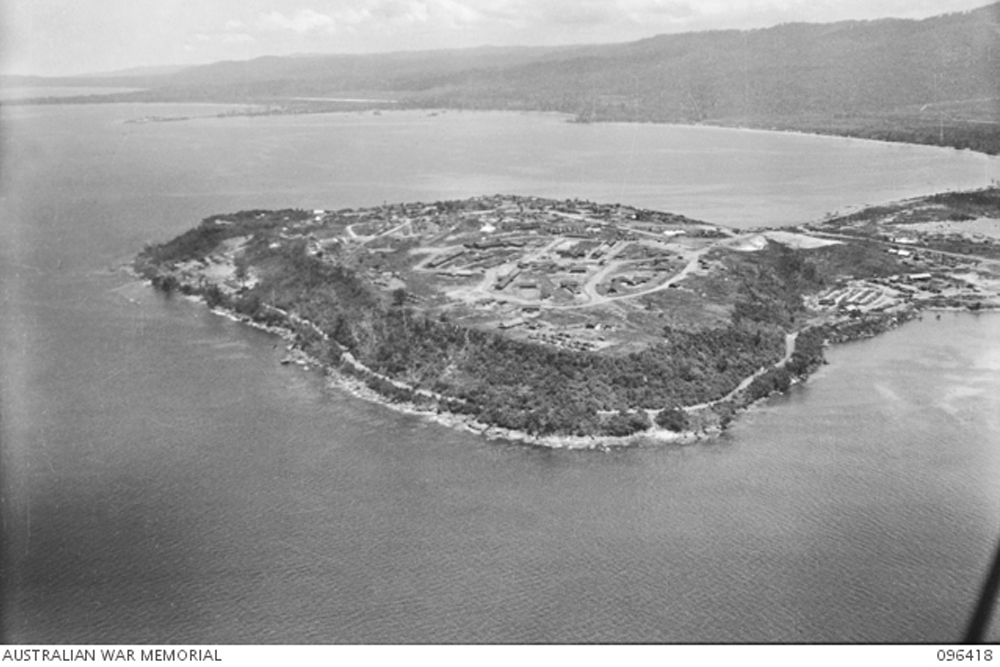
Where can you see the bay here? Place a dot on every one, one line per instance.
(165, 480)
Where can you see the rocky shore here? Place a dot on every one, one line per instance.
(707, 421)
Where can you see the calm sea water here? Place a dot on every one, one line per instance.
(165, 480)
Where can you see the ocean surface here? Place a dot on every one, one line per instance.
(164, 479)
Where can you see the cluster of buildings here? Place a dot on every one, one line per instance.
(895, 292)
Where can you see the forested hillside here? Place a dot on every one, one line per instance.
(500, 381)
(929, 81)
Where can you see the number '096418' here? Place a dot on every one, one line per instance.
(965, 654)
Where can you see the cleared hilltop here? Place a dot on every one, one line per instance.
(931, 81)
(571, 318)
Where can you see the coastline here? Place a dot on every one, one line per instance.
(357, 387)
(383, 357)
(856, 134)
(354, 384)
(841, 332)
(353, 107)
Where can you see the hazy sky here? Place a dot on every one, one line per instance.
(77, 36)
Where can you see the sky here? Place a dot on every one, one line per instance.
(64, 37)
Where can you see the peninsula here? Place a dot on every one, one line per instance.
(576, 323)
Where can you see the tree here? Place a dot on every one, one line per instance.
(214, 296)
(624, 424)
(673, 419)
(167, 283)
(782, 379)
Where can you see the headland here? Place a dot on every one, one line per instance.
(573, 323)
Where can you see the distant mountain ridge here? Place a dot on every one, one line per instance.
(841, 68)
(146, 71)
(868, 78)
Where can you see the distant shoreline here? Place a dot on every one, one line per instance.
(887, 134)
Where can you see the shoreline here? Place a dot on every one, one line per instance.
(568, 116)
(655, 435)
(376, 361)
(337, 378)
(358, 388)
(342, 380)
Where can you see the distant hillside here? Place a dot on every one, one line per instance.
(322, 73)
(134, 72)
(840, 68)
(935, 80)
(276, 78)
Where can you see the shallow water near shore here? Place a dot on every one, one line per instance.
(166, 480)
